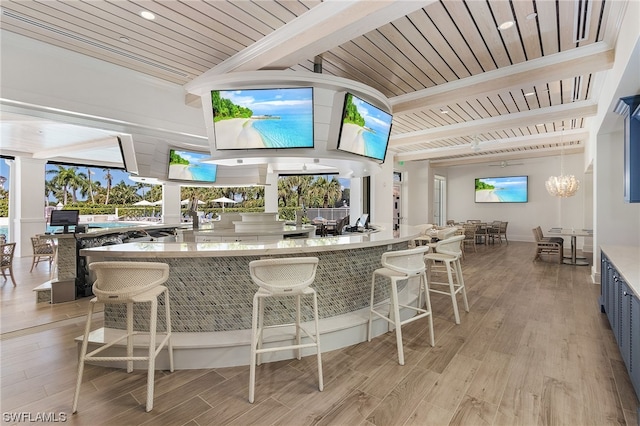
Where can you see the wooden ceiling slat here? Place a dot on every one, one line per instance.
(478, 108)
(548, 26)
(382, 64)
(65, 16)
(511, 36)
(489, 32)
(426, 51)
(402, 63)
(70, 44)
(449, 39)
(279, 13)
(519, 100)
(469, 32)
(244, 17)
(213, 28)
(567, 30)
(431, 77)
(528, 28)
(296, 7)
(433, 37)
(350, 51)
(498, 105)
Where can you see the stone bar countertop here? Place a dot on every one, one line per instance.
(151, 249)
(627, 261)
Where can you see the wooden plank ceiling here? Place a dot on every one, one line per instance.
(462, 90)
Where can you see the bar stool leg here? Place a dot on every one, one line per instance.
(129, 336)
(373, 284)
(460, 279)
(315, 315)
(452, 291)
(260, 328)
(83, 353)
(298, 325)
(254, 343)
(396, 320)
(425, 287)
(168, 328)
(151, 364)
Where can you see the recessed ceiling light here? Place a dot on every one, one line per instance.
(529, 94)
(539, 124)
(506, 25)
(444, 111)
(124, 39)
(532, 16)
(147, 15)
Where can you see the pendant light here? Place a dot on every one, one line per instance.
(564, 185)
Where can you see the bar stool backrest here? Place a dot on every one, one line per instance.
(119, 281)
(284, 275)
(450, 246)
(409, 262)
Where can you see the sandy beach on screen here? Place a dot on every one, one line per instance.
(237, 133)
(487, 196)
(351, 138)
(179, 171)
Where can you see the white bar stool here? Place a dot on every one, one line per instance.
(398, 266)
(449, 252)
(282, 277)
(129, 283)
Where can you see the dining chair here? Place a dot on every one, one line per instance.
(6, 261)
(43, 251)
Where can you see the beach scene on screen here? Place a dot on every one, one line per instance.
(188, 165)
(511, 189)
(365, 129)
(263, 118)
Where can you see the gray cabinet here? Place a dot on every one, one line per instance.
(622, 307)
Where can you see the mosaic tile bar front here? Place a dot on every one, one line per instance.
(216, 293)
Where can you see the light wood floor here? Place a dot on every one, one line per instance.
(534, 349)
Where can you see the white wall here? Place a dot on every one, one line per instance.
(617, 222)
(542, 209)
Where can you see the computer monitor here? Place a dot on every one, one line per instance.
(64, 218)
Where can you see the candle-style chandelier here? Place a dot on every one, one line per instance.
(564, 185)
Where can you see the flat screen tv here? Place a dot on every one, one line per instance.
(189, 166)
(64, 218)
(506, 189)
(263, 118)
(365, 129)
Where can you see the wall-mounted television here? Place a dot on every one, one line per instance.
(263, 118)
(365, 129)
(64, 218)
(505, 189)
(189, 166)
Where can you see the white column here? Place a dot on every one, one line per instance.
(382, 195)
(355, 199)
(271, 193)
(29, 217)
(171, 203)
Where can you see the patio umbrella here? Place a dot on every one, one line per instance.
(223, 201)
(143, 203)
(187, 201)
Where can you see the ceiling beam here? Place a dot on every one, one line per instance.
(102, 143)
(509, 121)
(592, 58)
(325, 26)
(532, 141)
(489, 158)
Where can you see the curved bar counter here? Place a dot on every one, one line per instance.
(211, 291)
